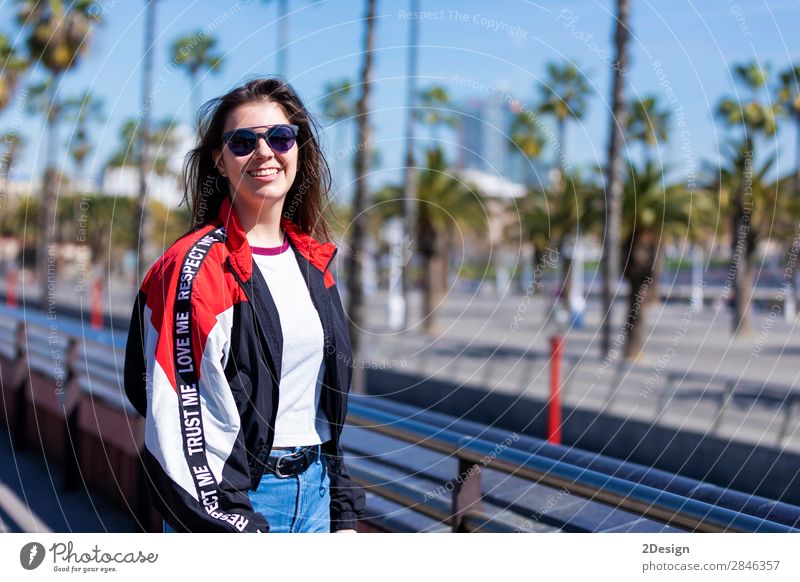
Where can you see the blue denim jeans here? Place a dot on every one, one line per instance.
(296, 504)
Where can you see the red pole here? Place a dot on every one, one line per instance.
(97, 303)
(11, 287)
(554, 411)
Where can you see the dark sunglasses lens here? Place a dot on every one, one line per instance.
(281, 138)
(242, 142)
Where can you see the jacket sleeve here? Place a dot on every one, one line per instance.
(347, 498)
(194, 457)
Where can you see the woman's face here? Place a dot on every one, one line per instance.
(256, 190)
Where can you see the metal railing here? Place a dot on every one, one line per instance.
(92, 366)
(466, 514)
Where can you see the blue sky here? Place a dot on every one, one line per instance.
(501, 47)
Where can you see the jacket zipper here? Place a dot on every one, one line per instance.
(262, 337)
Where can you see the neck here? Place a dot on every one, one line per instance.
(262, 224)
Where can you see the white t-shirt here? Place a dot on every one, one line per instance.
(300, 420)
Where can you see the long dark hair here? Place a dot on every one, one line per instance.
(205, 188)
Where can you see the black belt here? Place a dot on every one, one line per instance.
(293, 463)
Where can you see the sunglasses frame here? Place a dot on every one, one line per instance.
(226, 137)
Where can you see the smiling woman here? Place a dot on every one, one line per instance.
(238, 347)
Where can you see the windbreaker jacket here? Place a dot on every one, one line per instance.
(202, 365)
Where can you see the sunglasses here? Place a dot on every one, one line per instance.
(243, 141)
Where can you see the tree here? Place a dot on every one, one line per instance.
(11, 66)
(447, 206)
(147, 253)
(754, 117)
(130, 142)
(338, 105)
(789, 97)
(196, 54)
(767, 214)
(410, 193)
(354, 261)
(57, 35)
(565, 96)
(435, 104)
(615, 169)
(534, 215)
(648, 125)
(652, 213)
(282, 37)
(82, 111)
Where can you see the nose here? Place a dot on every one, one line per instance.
(262, 148)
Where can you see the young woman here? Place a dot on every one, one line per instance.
(238, 349)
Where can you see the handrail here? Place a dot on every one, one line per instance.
(648, 501)
(644, 500)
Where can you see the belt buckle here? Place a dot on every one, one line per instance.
(278, 465)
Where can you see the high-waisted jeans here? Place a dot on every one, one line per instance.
(295, 504)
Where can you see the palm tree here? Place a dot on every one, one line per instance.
(9, 225)
(565, 96)
(526, 138)
(11, 66)
(128, 152)
(13, 145)
(767, 213)
(446, 204)
(615, 169)
(82, 111)
(282, 37)
(147, 252)
(57, 34)
(354, 261)
(789, 97)
(410, 186)
(338, 105)
(196, 54)
(652, 213)
(648, 125)
(435, 103)
(754, 117)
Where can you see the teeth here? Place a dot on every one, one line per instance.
(269, 172)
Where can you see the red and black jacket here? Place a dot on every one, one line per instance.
(202, 364)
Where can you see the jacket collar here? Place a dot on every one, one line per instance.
(316, 253)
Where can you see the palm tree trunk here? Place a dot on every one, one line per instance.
(615, 170)
(641, 271)
(145, 226)
(283, 38)
(46, 267)
(797, 157)
(446, 254)
(561, 129)
(743, 246)
(410, 193)
(363, 154)
(430, 244)
(566, 276)
(196, 95)
(637, 304)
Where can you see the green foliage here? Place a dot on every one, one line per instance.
(565, 92)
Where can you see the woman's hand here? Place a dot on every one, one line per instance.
(346, 531)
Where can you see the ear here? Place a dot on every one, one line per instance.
(216, 155)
